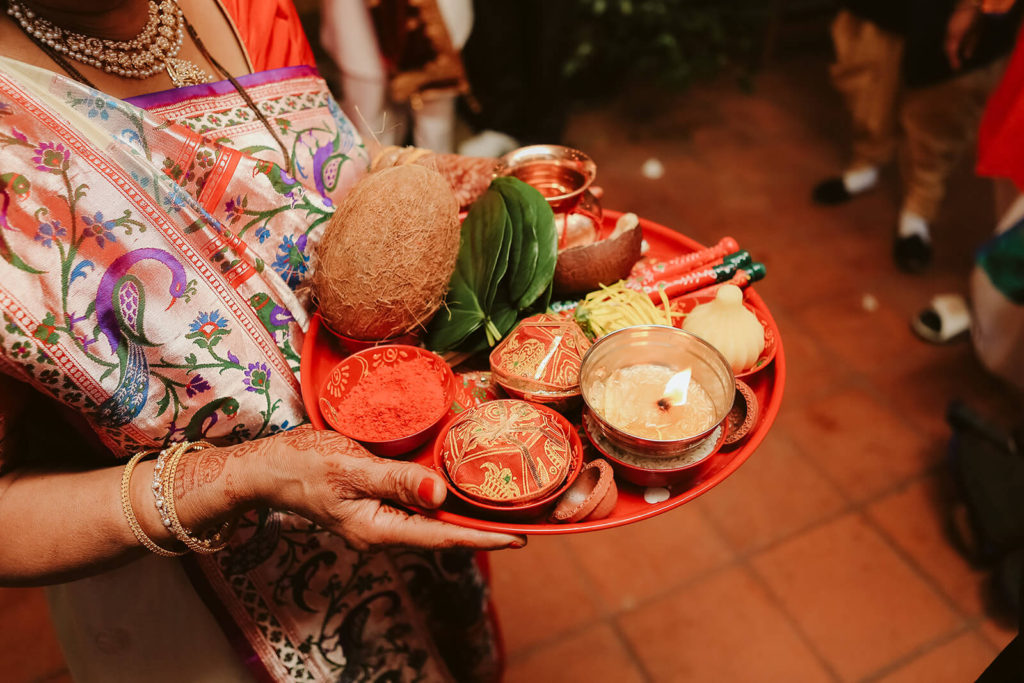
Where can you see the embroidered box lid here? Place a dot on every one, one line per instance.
(507, 452)
(542, 355)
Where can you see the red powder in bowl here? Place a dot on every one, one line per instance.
(393, 401)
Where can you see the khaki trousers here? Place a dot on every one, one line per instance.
(929, 127)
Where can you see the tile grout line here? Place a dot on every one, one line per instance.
(742, 563)
(608, 616)
(925, 648)
(967, 622)
(862, 507)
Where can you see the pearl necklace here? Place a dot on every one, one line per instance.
(154, 49)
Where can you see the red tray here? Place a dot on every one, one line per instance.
(320, 352)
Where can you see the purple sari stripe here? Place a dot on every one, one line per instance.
(165, 98)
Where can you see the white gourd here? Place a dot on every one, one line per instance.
(729, 326)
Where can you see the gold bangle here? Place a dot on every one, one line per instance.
(209, 543)
(129, 512)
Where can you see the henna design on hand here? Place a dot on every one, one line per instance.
(203, 467)
(197, 469)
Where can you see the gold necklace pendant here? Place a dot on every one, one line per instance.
(154, 49)
(184, 73)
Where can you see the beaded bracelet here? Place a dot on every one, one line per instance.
(163, 487)
(158, 487)
(129, 513)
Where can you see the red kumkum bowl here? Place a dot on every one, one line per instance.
(348, 373)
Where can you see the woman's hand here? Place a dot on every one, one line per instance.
(961, 34)
(331, 480)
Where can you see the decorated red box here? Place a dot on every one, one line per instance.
(540, 359)
(507, 452)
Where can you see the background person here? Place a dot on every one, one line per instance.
(914, 75)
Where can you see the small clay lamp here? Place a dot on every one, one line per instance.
(591, 496)
(744, 414)
(507, 452)
(540, 361)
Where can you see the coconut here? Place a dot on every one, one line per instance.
(387, 254)
(585, 268)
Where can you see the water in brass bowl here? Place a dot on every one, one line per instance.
(658, 346)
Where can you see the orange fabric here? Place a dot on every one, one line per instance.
(271, 32)
(1001, 136)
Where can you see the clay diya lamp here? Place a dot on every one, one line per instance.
(743, 416)
(656, 397)
(592, 496)
(392, 399)
(508, 459)
(540, 360)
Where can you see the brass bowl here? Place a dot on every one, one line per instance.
(657, 345)
(562, 174)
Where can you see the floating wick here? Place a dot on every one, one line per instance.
(676, 390)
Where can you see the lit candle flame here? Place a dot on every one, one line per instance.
(676, 390)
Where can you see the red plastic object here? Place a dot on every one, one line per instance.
(347, 373)
(320, 352)
(353, 345)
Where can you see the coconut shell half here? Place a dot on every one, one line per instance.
(585, 268)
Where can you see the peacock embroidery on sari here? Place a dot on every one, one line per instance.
(152, 256)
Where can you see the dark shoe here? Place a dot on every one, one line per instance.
(831, 192)
(912, 254)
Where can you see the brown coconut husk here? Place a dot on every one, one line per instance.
(468, 177)
(387, 254)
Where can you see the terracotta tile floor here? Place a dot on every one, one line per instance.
(823, 558)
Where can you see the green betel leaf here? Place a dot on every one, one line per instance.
(547, 247)
(522, 256)
(463, 316)
(545, 301)
(500, 322)
(483, 237)
(501, 264)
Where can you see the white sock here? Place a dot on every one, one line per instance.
(860, 179)
(911, 224)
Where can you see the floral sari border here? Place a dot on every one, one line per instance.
(232, 630)
(263, 641)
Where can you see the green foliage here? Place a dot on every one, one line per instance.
(666, 42)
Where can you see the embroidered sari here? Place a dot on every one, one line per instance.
(151, 257)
